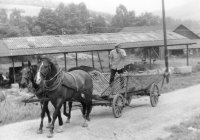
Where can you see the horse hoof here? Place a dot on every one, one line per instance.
(39, 131)
(48, 125)
(59, 130)
(68, 121)
(85, 125)
(50, 135)
(88, 118)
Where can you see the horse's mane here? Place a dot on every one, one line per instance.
(74, 68)
(84, 68)
(46, 59)
(51, 61)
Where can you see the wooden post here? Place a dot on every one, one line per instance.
(93, 59)
(150, 57)
(38, 57)
(165, 40)
(100, 61)
(13, 65)
(22, 61)
(65, 61)
(187, 55)
(109, 59)
(76, 59)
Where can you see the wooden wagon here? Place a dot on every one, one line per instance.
(119, 94)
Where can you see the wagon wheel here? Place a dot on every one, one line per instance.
(117, 105)
(154, 95)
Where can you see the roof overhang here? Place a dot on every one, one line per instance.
(22, 46)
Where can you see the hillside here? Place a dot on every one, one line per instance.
(187, 11)
(190, 10)
(32, 8)
(37, 3)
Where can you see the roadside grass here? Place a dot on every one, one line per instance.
(14, 111)
(188, 130)
(177, 81)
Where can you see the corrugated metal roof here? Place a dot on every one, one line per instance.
(146, 28)
(193, 46)
(184, 31)
(86, 42)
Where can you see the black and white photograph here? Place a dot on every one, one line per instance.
(99, 69)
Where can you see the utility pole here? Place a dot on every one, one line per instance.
(165, 40)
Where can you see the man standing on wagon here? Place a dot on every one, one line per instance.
(117, 61)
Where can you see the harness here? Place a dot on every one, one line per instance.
(58, 80)
(56, 83)
(74, 80)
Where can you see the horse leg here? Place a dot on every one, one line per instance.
(57, 106)
(60, 129)
(69, 113)
(88, 101)
(42, 118)
(64, 111)
(83, 113)
(88, 110)
(48, 113)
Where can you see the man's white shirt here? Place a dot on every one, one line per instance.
(117, 59)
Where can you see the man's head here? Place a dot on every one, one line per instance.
(117, 47)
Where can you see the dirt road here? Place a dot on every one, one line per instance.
(138, 122)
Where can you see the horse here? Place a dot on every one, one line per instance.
(51, 77)
(27, 80)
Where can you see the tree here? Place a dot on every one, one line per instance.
(15, 17)
(148, 19)
(99, 25)
(60, 12)
(30, 22)
(13, 31)
(36, 31)
(83, 13)
(3, 31)
(121, 17)
(3, 16)
(131, 18)
(47, 21)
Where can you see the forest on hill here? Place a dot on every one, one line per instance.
(76, 19)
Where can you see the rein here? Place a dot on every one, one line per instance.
(55, 84)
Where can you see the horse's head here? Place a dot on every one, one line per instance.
(27, 75)
(46, 70)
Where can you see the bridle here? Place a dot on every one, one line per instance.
(29, 74)
(28, 78)
(52, 83)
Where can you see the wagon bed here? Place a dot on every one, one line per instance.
(132, 82)
(119, 95)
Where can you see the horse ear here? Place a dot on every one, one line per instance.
(29, 63)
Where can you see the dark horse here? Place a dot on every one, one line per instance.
(50, 77)
(27, 80)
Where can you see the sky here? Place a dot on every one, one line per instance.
(139, 6)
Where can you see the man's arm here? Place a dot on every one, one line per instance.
(110, 57)
(122, 53)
